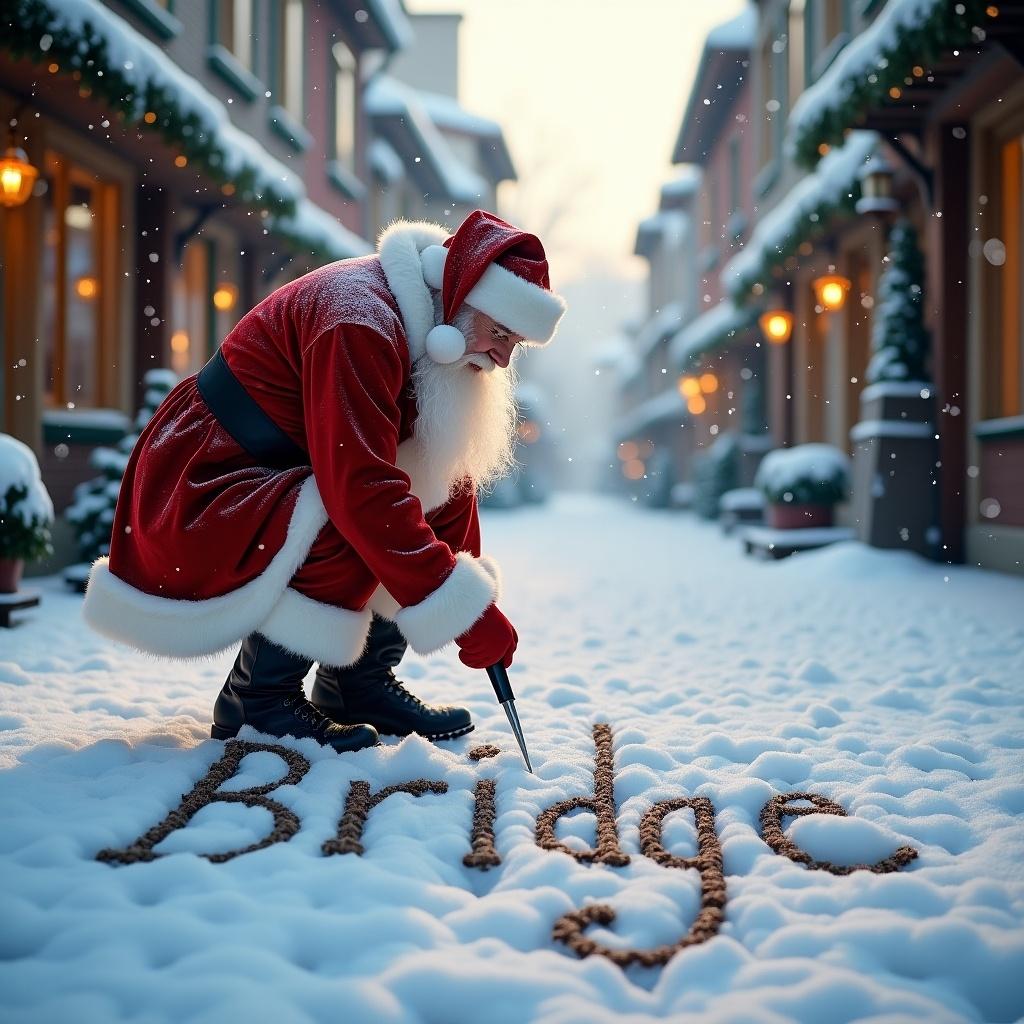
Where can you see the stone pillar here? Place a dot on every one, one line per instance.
(895, 478)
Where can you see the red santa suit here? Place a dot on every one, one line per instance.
(210, 544)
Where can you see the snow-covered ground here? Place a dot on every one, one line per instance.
(885, 683)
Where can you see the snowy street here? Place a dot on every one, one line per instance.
(890, 685)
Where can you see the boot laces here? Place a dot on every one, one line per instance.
(397, 688)
(306, 711)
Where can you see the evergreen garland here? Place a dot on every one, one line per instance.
(899, 340)
(91, 514)
(948, 26)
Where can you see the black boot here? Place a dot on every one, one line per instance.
(264, 690)
(367, 691)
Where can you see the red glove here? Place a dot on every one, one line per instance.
(492, 638)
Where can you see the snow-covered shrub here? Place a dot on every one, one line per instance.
(91, 513)
(899, 340)
(26, 511)
(808, 474)
(716, 472)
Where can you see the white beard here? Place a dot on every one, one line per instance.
(466, 419)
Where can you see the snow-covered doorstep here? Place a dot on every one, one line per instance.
(886, 683)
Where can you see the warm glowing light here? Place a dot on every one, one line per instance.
(528, 431)
(689, 386)
(708, 383)
(87, 288)
(150, 117)
(823, 148)
(179, 341)
(776, 325)
(696, 405)
(225, 297)
(228, 189)
(895, 92)
(633, 469)
(830, 291)
(180, 160)
(53, 68)
(918, 71)
(17, 176)
(628, 451)
(992, 11)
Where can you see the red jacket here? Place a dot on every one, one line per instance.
(206, 540)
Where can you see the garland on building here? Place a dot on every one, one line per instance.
(147, 96)
(91, 514)
(899, 340)
(885, 60)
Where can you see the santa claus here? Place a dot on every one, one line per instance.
(312, 491)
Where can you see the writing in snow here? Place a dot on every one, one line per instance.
(482, 853)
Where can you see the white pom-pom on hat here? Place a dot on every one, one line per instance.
(445, 343)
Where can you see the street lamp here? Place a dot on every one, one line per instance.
(876, 187)
(776, 325)
(830, 291)
(17, 175)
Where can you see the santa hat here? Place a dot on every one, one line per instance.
(497, 269)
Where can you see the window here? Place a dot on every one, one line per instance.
(1002, 256)
(234, 29)
(79, 288)
(735, 193)
(190, 310)
(343, 67)
(291, 59)
(774, 90)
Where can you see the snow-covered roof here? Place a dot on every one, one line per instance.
(323, 232)
(685, 184)
(449, 115)
(391, 19)
(399, 115)
(616, 355)
(735, 34)
(905, 33)
(152, 73)
(713, 327)
(666, 405)
(664, 223)
(833, 185)
(719, 80)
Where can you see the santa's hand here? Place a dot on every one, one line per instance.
(491, 639)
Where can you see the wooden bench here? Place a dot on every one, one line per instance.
(16, 602)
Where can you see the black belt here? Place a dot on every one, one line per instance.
(237, 412)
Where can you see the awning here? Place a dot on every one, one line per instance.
(833, 188)
(666, 406)
(400, 118)
(877, 68)
(709, 331)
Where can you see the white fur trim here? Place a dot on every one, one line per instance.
(492, 567)
(330, 635)
(399, 248)
(514, 302)
(179, 628)
(450, 610)
(445, 343)
(384, 605)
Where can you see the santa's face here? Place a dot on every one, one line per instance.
(488, 343)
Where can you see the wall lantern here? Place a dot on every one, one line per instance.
(830, 291)
(696, 405)
(87, 288)
(689, 386)
(708, 383)
(776, 325)
(17, 175)
(225, 296)
(876, 187)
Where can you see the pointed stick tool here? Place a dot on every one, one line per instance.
(499, 680)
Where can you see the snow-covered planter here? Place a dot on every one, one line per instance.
(26, 512)
(802, 485)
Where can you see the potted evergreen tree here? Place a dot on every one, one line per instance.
(26, 512)
(802, 485)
